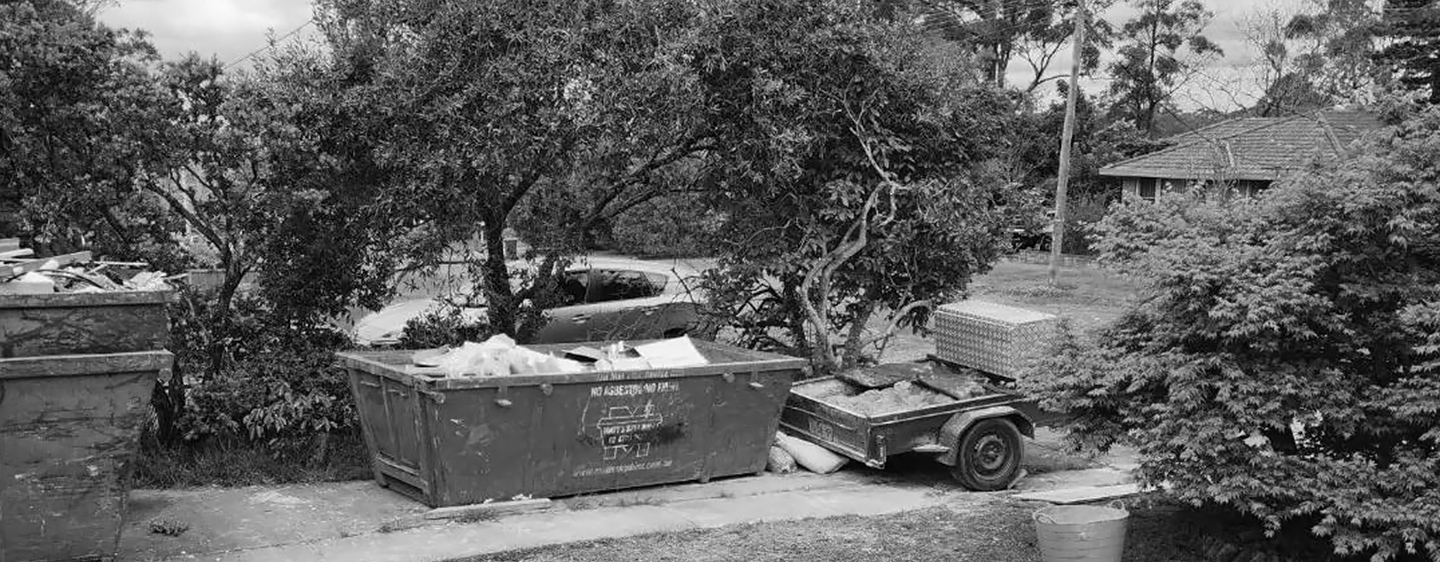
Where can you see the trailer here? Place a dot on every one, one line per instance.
(976, 434)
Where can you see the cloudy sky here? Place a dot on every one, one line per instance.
(231, 29)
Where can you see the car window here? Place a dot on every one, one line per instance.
(573, 287)
(659, 280)
(614, 285)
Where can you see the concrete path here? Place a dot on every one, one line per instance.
(361, 521)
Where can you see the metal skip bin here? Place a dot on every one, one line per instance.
(459, 441)
(68, 429)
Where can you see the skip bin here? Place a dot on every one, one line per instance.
(68, 429)
(84, 323)
(459, 441)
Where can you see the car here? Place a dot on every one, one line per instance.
(1033, 236)
(604, 299)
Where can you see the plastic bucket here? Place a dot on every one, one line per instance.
(1081, 533)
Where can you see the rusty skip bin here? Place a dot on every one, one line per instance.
(459, 441)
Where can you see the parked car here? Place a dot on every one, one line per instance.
(605, 299)
(1034, 235)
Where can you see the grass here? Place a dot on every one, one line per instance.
(1000, 531)
(242, 463)
(1089, 297)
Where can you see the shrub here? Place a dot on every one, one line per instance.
(1285, 362)
(1082, 213)
(445, 326)
(277, 384)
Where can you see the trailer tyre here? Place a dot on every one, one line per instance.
(989, 455)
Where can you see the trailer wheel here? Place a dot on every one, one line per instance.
(988, 455)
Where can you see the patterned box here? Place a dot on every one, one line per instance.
(991, 337)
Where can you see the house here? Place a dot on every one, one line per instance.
(1241, 157)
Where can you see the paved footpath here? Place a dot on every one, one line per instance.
(361, 521)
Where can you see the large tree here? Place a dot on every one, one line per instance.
(1285, 359)
(1413, 55)
(487, 108)
(76, 110)
(842, 164)
(1160, 50)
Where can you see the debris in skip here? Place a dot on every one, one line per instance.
(501, 356)
(78, 272)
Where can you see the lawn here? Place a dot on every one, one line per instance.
(998, 530)
(1089, 297)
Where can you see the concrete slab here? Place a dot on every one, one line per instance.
(224, 519)
(730, 487)
(1082, 494)
(489, 510)
(225, 523)
(446, 542)
(1104, 476)
(361, 521)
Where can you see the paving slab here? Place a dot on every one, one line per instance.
(1081, 494)
(223, 519)
(531, 530)
(222, 522)
(362, 521)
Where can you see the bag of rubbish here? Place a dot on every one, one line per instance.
(780, 462)
(809, 455)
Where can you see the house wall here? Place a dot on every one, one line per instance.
(1147, 188)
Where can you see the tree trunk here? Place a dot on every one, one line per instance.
(855, 340)
(168, 401)
(796, 318)
(220, 318)
(500, 300)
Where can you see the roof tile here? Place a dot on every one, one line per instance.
(1251, 148)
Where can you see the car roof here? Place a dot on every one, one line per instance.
(668, 268)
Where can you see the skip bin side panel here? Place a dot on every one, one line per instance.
(747, 420)
(62, 324)
(67, 442)
(480, 448)
(374, 419)
(636, 433)
(404, 416)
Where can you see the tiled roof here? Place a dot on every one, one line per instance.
(1251, 148)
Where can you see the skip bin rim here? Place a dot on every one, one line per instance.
(67, 300)
(85, 364)
(369, 362)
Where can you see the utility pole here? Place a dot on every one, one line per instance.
(1057, 235)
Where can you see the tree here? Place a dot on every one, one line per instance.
(1315, 57)
(75, 102)
(1284, 360)
(1413, 55)
(995, 28)
(841, 165)
(486, 107)
(1150, 67)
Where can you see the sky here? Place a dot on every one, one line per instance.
(232, 29)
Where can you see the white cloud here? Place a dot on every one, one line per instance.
(226, 29)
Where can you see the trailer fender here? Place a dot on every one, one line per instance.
(953, 429)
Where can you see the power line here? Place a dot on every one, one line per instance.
(270, 44)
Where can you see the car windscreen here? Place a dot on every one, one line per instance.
(613, 285)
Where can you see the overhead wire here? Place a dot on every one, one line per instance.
(270, 44)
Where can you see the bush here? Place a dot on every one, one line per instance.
(446, 326)
(1082, 214)
(274, 384)
(1285, 362)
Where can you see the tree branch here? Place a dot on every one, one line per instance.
(896, 318)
